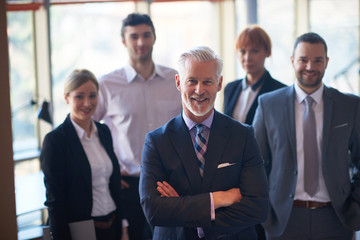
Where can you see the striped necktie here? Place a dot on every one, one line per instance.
(200, 147)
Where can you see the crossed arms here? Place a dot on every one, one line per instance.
(169, 198)
(221, 198)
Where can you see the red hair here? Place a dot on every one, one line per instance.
(255, 36)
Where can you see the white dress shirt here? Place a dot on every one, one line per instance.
(246, 99)
(132, 106)
(101, 170)
(300, 194)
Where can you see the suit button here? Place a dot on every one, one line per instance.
(295, 172)
(291, 196)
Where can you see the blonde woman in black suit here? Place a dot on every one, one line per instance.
(82, 173)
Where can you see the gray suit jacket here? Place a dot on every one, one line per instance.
(274, 125)
(169, 155)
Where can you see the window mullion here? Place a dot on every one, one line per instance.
(43, 65)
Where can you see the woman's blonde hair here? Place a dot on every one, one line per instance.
(77, 78)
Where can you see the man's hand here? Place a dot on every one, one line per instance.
(125, 235)
(226, 198)
(124, 184)
(166, 190)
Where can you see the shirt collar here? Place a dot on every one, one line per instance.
(301, 95)
(81, 132)
(191, 124)
(159, 72)
(256, 85)
(131, 74)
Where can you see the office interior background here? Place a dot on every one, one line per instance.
(42, 41)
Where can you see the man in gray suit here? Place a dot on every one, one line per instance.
(307, 149)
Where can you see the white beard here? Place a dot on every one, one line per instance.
(198, 112)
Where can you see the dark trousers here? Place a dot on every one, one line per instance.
(260, 232)
(314, 224)
(192, 234)
(111, 233)
(138, 228)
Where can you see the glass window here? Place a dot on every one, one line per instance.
(179, 26)
(24, 120)
(279, 64)
(241, 23)
(277, 19)
(340, 29)
(85, 36)
(22, 81)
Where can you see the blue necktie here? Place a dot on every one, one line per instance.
(200, 147)
(311, 155)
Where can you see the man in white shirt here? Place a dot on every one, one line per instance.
(134, 100)
(308, 132)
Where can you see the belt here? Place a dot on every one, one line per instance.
(311, 204)
(105, 225)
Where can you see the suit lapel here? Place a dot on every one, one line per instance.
(266, 87)
(234, 97)
(267, 84)
(328, 106)
(107, 146)
(290, 119)
(79, 158)
(218, 138)
(181, 140)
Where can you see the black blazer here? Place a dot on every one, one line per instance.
(233, 89)
(67, 177)
(232, 160)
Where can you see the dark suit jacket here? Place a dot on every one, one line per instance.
(274, 123)
(169, 155)
(68, 177)
(233, 89)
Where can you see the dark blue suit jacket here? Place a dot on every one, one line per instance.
(67, 177)
(233, 89)
(274, 123)
(169, 155)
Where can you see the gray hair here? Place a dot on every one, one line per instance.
(200, 54)
(77, 78)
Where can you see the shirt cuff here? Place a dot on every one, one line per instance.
(212, 207)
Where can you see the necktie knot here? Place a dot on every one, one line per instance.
(309, 101)
(199, 128)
